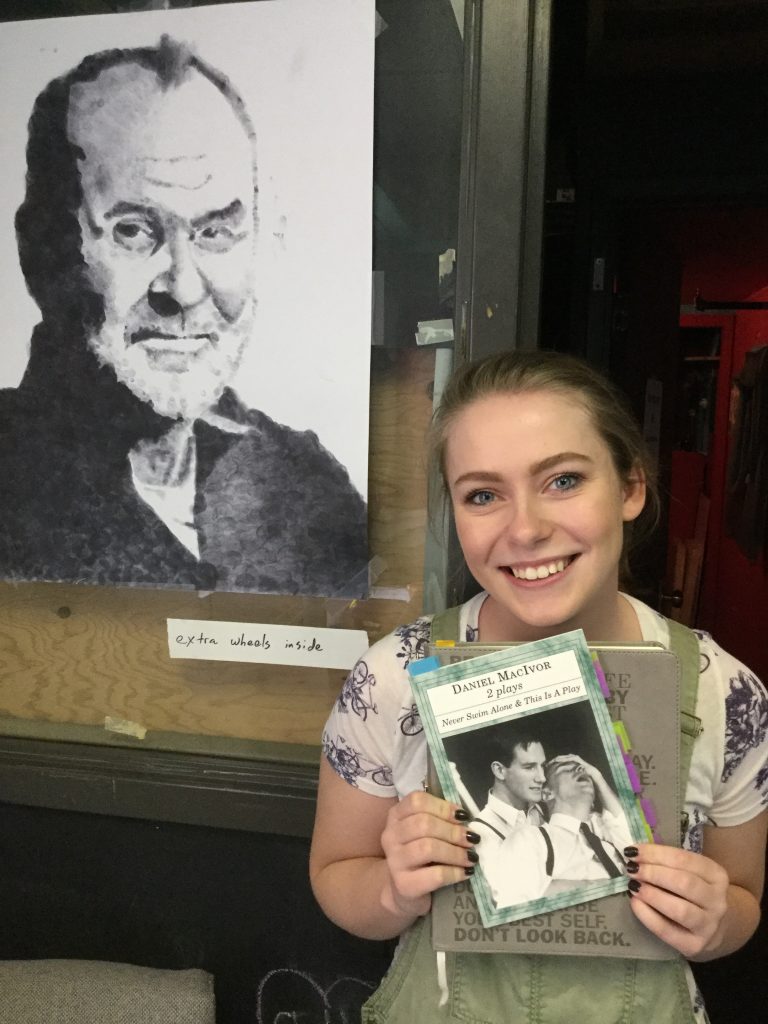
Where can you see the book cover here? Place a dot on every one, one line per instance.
(548, 693)
(640, 679)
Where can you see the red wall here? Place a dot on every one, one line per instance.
(725, 258)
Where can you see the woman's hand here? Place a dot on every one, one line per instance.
(375, 861)
(682, 897)
(427, 845)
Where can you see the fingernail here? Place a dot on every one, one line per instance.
(634, 885)
(632, 867)
(473, 856)
(630, 851)
(469, 871)
(473, 837)
(460, 814)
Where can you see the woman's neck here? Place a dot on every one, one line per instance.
(616, 622)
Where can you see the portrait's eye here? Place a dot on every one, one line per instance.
(135, 236)
(217, 238)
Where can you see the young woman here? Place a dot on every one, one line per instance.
(548, 477)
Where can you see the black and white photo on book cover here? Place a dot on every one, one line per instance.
(185, 260)
(530, 723)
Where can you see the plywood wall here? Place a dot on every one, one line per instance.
(78, 654)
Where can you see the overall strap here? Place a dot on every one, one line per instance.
(685, 644)
(445, 624)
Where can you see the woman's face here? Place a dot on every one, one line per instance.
(539, 511)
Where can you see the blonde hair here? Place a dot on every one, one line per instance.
(517, 372)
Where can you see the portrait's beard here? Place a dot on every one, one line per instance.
(180, 380)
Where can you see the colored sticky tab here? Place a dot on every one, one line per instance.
(417, 668)
(649, 812)
(620, 730)
(634, 780)
(649, 833)
(601, 676)
(445, 643)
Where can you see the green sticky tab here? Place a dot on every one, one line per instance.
(621, 732)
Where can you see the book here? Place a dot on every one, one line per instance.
(549, 693)
(640, 679)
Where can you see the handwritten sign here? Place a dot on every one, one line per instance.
(265, 643)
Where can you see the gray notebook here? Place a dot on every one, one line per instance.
(644, 680)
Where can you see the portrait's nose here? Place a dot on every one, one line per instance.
(180, 285)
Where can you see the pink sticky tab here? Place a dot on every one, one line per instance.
(649, 812)
(634, 780)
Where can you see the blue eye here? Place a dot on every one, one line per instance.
(566, 481)
(480, 498)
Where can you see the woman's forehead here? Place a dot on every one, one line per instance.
(535, 423)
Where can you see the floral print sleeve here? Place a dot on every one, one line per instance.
(739, 726)
(375, 711)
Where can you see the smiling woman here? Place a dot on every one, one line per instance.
(549, 481)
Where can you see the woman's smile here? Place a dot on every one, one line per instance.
(541, 571)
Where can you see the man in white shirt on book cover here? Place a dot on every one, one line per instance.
(578, 844)
(517, 767)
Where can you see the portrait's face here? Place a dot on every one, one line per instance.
(167, 224)
(521, 781)
(540, 511)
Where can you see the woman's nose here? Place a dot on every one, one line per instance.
(527, 523)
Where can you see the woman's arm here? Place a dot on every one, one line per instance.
(375, 861)
(704, 905)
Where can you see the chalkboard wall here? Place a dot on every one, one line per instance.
(235, 903)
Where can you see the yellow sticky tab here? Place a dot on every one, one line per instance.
(445, 643)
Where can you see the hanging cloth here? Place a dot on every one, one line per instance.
(746, 505)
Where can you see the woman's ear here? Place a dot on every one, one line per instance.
(634, 495)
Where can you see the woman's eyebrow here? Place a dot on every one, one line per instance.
(554, 460)
(489, 476)
(479, 476)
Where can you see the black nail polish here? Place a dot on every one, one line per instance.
(473, 856)
(473, 837)
(632, 867)
(469, 871)
(634, 885)
(460, 814)
(630, 851)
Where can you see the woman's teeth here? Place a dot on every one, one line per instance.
(540, 572)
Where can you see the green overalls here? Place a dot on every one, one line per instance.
(512, 988)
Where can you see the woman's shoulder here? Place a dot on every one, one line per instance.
(406, 643)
